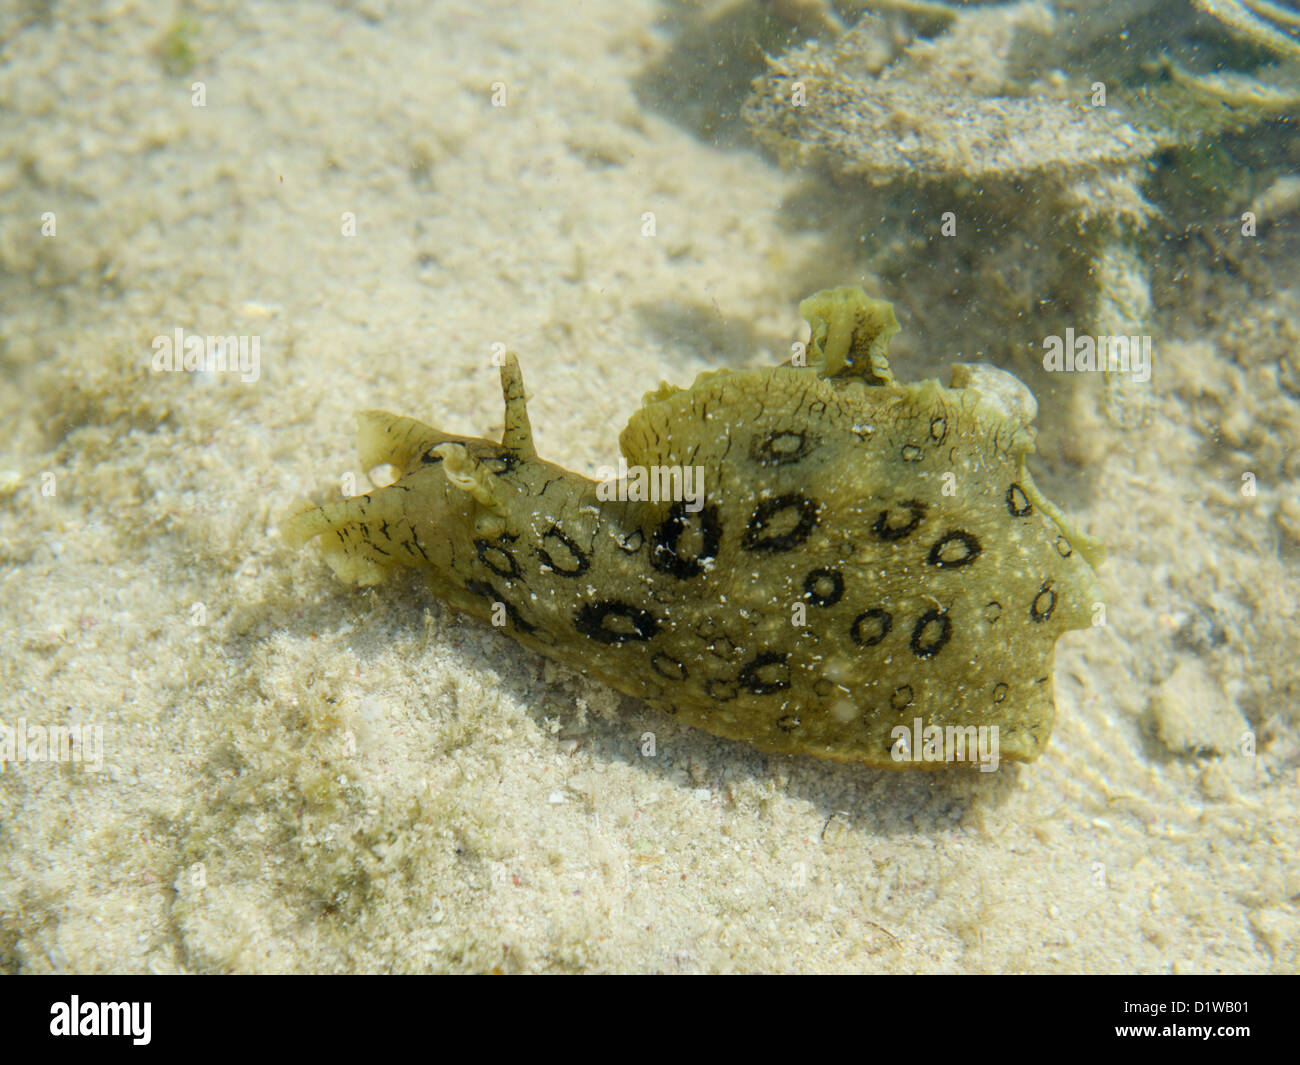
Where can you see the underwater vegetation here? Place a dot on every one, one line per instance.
(1077, 96)
(1272, 24)
(1078, 144)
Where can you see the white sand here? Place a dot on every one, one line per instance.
(316, 778)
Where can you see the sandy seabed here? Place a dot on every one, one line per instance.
(303, 776)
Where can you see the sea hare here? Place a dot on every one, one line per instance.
(812, 558)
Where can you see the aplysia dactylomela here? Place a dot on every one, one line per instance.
(866, 552)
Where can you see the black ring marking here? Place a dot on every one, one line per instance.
(1043, 612)
(999, 692)
(581, 562)
(664, 556)
(782, 447)
(510, 572)
(814, 587)
(668, 668)
(882, 618)
(1018, 503)
(883, 530)
(752, 682)
(902, 697)
(912, 453)
(929, 650)
(958, 536)
(992, 611)
(632, 542)
(754, 539)
(1063, 547)
(590, 621)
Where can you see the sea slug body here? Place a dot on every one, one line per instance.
(865, 555)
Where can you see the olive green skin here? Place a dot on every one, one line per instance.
(868, 556)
